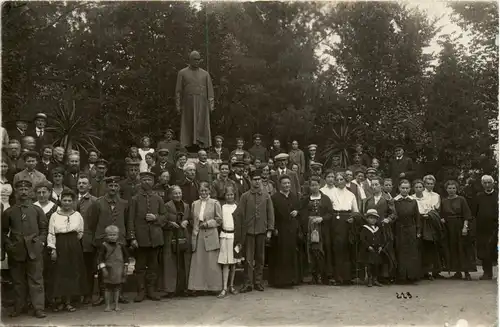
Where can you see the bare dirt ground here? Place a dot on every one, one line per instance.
(433, 303)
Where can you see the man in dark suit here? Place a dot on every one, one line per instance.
(237, 176)
(281, 160)
(42, 137)
(401, 167)
(163, 163)
(72, 172)
(24, 233)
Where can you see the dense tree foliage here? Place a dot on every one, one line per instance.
(118, 61)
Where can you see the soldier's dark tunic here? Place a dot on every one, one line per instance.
(149, 234)
(28, 226)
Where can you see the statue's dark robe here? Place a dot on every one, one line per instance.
(195, 88)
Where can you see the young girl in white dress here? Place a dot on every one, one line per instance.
(226, 255)
(145, 149)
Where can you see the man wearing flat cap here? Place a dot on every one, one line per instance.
(99, 187)
(258, 151)
(401, 167)
(108, 210)
(24, 233)
(163, 164)
(253, 224)
(41, 135)
(172, 145)
(281, 161)
(194, 100)
(130, 185)
(29, 172)
(147, 215)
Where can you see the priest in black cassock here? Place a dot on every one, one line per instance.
(283, 259)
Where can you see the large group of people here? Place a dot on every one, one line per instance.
(189, 223)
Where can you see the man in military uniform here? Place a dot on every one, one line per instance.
(130, 185)
(108, 210)
(29, 173)
(27, 226)
(98, 184)
(147, 216)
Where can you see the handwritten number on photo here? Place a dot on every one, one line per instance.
(404, 295)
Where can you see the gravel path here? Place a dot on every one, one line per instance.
(433, 303)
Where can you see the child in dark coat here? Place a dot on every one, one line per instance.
(113, 263)
(371, 247)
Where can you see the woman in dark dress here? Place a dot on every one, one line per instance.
(283, 263)
(315, 217)
(57, 187)
(65, 233)
(407, 230)
(176, 254)
(456, 217)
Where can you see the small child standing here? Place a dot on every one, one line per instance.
(113, 263)
(371, 246)
(229, 254)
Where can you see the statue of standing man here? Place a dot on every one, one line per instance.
(194, 97)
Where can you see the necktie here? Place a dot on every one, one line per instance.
(40, 133)
(31, 175)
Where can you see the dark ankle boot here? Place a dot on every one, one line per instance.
(141, 293)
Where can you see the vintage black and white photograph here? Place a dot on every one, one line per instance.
(266, 163)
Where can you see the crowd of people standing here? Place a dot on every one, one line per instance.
(189, 223)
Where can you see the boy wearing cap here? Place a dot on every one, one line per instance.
(42, 137)
(130, 185)
(24, 233)
(311, 156)
(30, 173)
(281, 161)
(401, 167)
(257, 151)
(145, 221)
(371, 247)
(107, 210)
(253, 224)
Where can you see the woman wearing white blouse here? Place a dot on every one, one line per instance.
(434, 198)
(145, 149)
(344, 205)
(205, 273)
(65, 232)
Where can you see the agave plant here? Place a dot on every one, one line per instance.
(73, 131)
(343, 138)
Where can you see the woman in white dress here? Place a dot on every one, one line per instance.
(226, 255)
(145, 149)
(205, 273)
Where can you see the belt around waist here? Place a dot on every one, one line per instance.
(341, 211)
(228, 231)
